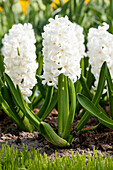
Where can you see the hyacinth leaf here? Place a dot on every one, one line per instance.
(40, 64)
(8, 98)
(85, 88)
(36, 102)
(1, 83)
(50, 106)
(94, 111)
(18, 98)
(90, 78)
(110, 90)
(9, 112)
(70, 118)
(13, 112)
(13, 90)
(49, 134)
(84, 130)
(32, 97)
(2, 68)
(41, 87)
(27, 111)
(46, 102)
(63, 103)
(96, 98)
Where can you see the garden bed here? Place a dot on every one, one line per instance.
(101, 139)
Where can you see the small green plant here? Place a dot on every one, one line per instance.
(11, 158)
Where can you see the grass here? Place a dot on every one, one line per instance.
(12, 159)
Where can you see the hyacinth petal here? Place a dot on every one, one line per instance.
(19, 57)
(63, 48)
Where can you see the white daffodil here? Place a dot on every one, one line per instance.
(100, 49)
(63, 48)
(19, 57)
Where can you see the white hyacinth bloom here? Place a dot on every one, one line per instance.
(100, 49)
(63, 48)
(19, 57)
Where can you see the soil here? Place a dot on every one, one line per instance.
(101, 138)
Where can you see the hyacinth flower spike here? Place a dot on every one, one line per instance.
(100, 43)
(61, 68)
(19, 61)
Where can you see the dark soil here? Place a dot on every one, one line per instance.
(101, 138)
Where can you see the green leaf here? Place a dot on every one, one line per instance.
(41, 87)
(13, 90)
(94, 111)
(63, 103)
(70, 119)
(40, 64)
(110, 90)
(46, 102)
(50, 106)
(97, 96)
(37, 101)
(27, 111)
(85, 88)
(2, 68)
(90, 78)
(51, 136)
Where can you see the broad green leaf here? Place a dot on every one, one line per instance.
(40, 64)
(2, 68)
(85, 88)
(90, 78)
(63, 103)
(50, 106)
(110, 89)
(70, 118)
(41, 87)
(51, 136)
(46, 102)
(28, 112)
(37, 101)
(97, 96)
(94, 111)
(13, 90)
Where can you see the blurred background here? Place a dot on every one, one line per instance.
(87, 13)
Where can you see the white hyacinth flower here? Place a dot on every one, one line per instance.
(19, 57)
(63, 48)
(100, 49)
